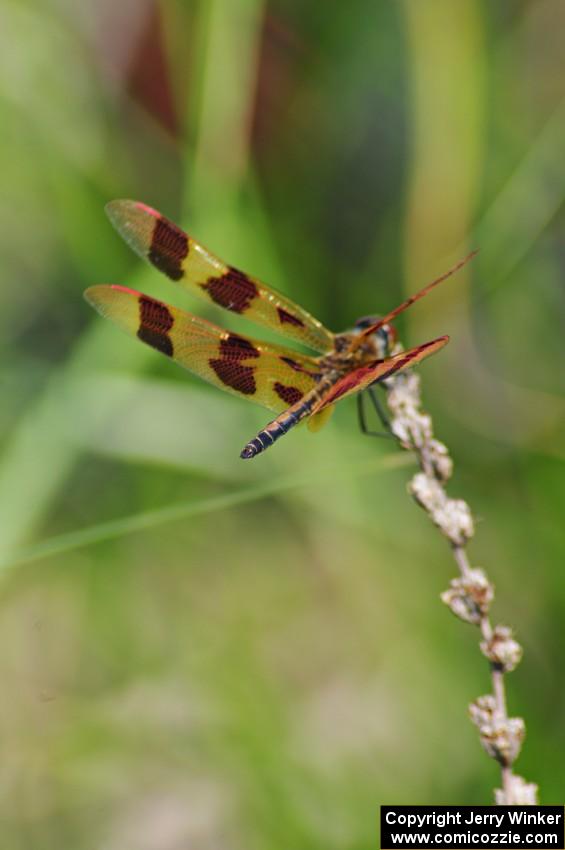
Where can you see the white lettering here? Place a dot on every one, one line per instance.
(494, 819)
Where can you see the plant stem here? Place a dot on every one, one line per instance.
(470, 595)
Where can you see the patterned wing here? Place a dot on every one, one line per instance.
(270, 375)
(361, 378)
(185, 261)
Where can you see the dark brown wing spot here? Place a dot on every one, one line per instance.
(236, 347)
(292, 363)
(298, 367)
(169, 247)
(233, 290)
(288, 318)
(234, 375)
(290, 395)
(155, 322)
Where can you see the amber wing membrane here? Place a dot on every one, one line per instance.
(270, 375)
(361, 378)
(185, 261)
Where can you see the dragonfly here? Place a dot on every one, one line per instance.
(293, 385)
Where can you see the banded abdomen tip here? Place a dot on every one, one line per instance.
(249, 451)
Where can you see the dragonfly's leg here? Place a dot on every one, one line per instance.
(361, 413)
(379, 411)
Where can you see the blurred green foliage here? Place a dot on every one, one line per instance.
(202, 653)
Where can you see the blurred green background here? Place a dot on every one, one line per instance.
(202, 653)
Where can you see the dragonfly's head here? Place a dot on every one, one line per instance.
(384, 337)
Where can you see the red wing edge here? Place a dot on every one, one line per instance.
(378, 370)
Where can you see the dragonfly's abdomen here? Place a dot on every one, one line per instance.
(268, 436)
(279, 426)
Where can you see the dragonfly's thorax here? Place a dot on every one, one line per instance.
(347, 356)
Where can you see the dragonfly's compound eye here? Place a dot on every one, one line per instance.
(365, 322)
(386, 336)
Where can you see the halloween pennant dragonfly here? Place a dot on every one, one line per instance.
(295, 386)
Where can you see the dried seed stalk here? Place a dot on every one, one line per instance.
(471, 594)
